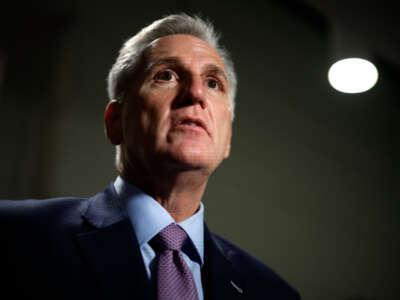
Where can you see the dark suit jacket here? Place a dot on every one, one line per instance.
(72, 248)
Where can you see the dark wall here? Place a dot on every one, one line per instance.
(311, 184)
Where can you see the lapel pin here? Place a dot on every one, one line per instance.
(236, 287)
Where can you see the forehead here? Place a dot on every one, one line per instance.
(187, 47)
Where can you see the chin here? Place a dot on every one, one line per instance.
(194, 158)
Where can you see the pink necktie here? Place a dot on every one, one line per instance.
(174, 279)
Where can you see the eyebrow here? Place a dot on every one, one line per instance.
(171, 60)
(216, 70)
(174, 60)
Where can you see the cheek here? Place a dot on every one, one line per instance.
(130, 126)
(225, 126)
(228, 135)
(135, 116)
(225, 115)
(154, 112)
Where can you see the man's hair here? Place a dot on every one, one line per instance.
(132, 51)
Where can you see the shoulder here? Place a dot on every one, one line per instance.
(39, 240)
(35, 212)
(257, 275)
(26, 208)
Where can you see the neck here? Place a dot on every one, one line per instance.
(178, 192)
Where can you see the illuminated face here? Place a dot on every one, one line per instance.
(178, 112)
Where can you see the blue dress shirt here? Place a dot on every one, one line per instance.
(148, 218)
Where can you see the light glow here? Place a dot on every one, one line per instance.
(352, 75)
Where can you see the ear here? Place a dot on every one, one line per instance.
(113, 123)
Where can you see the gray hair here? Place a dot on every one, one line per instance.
(133, 49)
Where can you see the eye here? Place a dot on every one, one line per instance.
(165, 75)
(213, 83)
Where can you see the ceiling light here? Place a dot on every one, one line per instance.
(352, 75)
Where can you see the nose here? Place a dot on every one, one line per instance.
(193, 92)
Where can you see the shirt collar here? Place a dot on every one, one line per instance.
(148, 217)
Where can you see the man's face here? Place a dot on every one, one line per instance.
(178, 111)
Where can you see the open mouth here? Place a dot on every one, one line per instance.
(191, 123)
(194, 123)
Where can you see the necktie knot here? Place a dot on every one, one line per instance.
(171, 237)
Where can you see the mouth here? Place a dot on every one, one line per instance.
(192, 123)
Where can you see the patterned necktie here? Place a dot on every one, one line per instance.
(174, 279)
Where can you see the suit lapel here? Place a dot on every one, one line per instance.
(112, 250)
(220, 279)
(110, 247)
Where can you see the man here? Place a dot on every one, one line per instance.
(170, 118)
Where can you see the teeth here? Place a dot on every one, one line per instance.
(190, 123)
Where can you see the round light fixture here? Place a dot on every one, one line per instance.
(352, 75)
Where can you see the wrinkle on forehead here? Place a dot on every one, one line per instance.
(184, 45)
